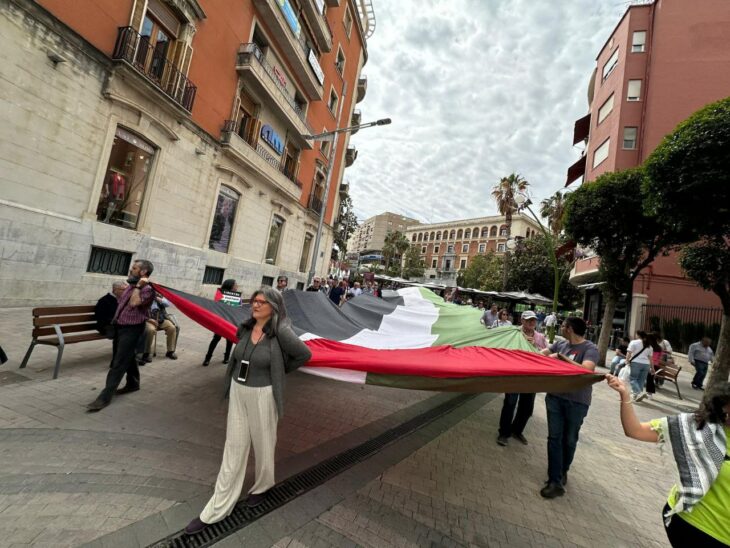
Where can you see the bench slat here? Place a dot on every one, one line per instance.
(57, 310)
(79, 328)
(62, 320)
(73, 339)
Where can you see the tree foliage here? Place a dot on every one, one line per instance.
(395, 245)
(346, 224)
(553, 209)
(483, 272)
(413, 265)
(531, 270)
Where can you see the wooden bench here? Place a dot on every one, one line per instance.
(53, 325)
(669, 371)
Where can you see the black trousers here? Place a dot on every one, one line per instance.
(214, 343)
(683, 535)
(511, 422)
(124, 360)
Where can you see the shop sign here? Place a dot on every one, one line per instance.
(290, 16)
(280, 77)
(272, 138)
(314, 63)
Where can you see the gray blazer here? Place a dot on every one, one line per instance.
(287, 354)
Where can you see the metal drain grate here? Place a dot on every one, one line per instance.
(304, 481)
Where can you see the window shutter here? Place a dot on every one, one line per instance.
(165, 16)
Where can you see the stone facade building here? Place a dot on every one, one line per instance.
(175, 131)
(446, 248)
(369, 238)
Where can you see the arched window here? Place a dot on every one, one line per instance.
(445, 235)
(485, 232)
(452, 234)
(493, 232)
(527, 235)
(467, 234)
(459, 234)
(420, 236)
(414, 238)
(438, 235)
(503, 230)
(432, 236)
(534, 233)
(475, 232)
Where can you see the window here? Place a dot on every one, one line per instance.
(109, 261)
(465, 248)
(459, 234)
(267, 280)
(450, 248)
(423, 249)
(501, 248)
(305, 252)
(434, 262)
(610, 64)
(300, 286)
(225, 214)
(347, 21)
(340, 63)
(433, 236)
(503, 231)
(213, 275)
(272, 247)
(324, 147)
(463, 264)
(485, 232)
(452, 235)
(493, 232)
(413, 239)
(436, 249)
(154, 43)
(467, 234)
(482, 248)
(605, 109)
(633, 91)
(125, 182)
(630, 138)
(420, 236)
(332, 104)
(638, 42)
(601, 152)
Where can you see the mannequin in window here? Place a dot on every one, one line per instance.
(113, 192)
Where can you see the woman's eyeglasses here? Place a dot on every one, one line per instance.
(259, 302)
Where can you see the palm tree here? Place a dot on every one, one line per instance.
(394, 246)
(504, 195)
(553, 209)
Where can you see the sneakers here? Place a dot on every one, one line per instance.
(697, 387)
(640, 397)
(171, 355)
(521, 438)
(552, 490)
(195, 526)
(502, 440)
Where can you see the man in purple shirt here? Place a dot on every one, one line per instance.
(129, 322)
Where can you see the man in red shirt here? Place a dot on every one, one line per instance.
(129, 322)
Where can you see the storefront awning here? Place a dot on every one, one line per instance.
(581, 129)
(578, 169)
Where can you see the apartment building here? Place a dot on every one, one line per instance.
(368, 239)
(176, 131)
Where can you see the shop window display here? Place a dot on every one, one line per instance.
(127, 174)
(225, 214)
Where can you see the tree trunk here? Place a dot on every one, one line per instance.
(606, 328)
(508, 222)
(721, 365)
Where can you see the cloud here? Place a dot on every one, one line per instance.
(476, 89)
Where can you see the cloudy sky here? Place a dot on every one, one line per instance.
(477, 89)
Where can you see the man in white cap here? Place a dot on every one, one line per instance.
(511, 424)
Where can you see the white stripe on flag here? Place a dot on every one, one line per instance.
(345, 375)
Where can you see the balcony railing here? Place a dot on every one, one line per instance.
(252, 50)
(315, 204)
(232, 126)
(362, 88)
(356, 120)
(150, 61)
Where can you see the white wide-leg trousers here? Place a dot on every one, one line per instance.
(252, 419)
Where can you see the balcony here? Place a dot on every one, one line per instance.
(356, 120)
(135, 50)
(350, 156)
(251, 64)
(344, 190)
(362, 88)
(259, 159)
(315, 205)
(320, 28)
(302, 60)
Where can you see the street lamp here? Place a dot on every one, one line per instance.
(326, 136)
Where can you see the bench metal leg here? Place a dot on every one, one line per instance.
(27, 355)
(58, 361)
(676, 383)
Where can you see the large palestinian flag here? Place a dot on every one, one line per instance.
(412, 339)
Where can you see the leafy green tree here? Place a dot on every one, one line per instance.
(346, 225)
(687, 189)
(483, 272)
(607, 215)
(503, 194)
(413, 266)
(395, 245)
(531, 270)
(553, 209)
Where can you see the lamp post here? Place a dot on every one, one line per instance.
(326, 136)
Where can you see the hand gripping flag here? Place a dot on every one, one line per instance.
(413, 340)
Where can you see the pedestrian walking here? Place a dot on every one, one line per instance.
(551, 320)
(511, 424)
(228, 286)
(317, 285)
(504, 319)
(267, 349)
(337, 293)
(282, 283)
(566, 411)
(490, 316)
(700, 355)
(638, 357)
(129, 322)
(696, 512)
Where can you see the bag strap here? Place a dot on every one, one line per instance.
(637, 355)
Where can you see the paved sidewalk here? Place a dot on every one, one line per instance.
(140, 469)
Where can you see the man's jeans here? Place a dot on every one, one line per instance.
(639, 372)
(525, 403)
(701, 372)
(564, 418)
(617, 361)
(123, 361)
